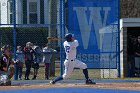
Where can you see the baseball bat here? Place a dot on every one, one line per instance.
(54, 38)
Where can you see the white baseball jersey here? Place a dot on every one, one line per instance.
(70, 49)
(71, 62)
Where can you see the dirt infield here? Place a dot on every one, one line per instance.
(121, 86)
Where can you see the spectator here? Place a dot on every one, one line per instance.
(37, 60)
(20, 61)
(28, 52)
(47, 51)
(130, 56)
(137, 57)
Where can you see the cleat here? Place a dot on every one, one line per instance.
(90, 82)
(52, 82)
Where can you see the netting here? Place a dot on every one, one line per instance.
(33, 21)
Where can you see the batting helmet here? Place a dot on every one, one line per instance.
(68, 37)
(4, 48)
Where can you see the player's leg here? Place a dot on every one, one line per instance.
(69, 66)
(10, 75)
(79, 64)
(11, 72)
(5, 77)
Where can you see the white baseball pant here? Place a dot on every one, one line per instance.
(70, 65)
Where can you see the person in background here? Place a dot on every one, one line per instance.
(130, 55)
(20, 61)
(37, 60)
(137, 56)
(47, 54)
(6, 66)
(29, 53)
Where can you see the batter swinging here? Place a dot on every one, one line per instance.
(71, 62)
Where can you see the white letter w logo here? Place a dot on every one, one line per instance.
(94, 18)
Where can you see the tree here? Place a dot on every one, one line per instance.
(130, 8)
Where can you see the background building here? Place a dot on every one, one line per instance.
(27, 11)
(130, 30)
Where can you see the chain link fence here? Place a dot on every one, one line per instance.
(33, 21)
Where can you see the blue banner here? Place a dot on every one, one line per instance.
(95, 25)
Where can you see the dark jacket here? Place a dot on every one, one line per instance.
(28, 52)
(5, 61)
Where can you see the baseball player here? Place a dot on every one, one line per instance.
(6, 70)
(71, 62)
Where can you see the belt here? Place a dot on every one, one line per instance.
(70, 60)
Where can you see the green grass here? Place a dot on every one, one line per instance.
(76, 75)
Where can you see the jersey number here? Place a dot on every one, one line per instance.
(67, 48)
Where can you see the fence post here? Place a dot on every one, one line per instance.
(52, 32)
(119, 71)
(14, 38)
(62, 30)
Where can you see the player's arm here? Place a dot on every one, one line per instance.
(76, 43)
(4, 67)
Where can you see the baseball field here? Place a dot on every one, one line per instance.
(75, 83)
(73, 86)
